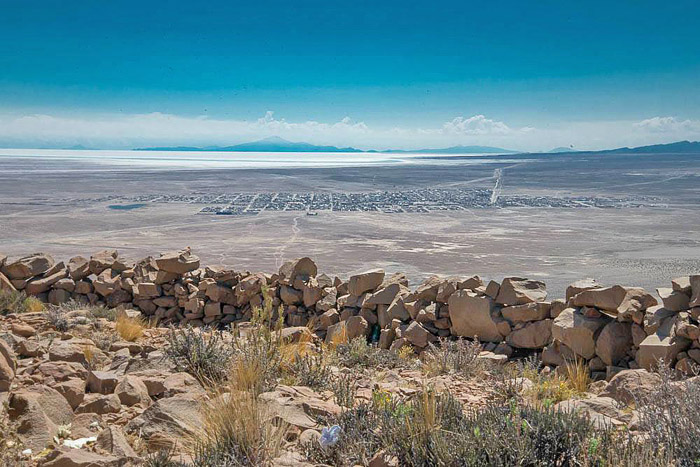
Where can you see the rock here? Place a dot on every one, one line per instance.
(69, 457)
(387, 336)
(296, 334)
(212, 309)
(673, 300)
(527, 312)
(298, 406)
(300, 268)
(580, 286)
(518, 291)
(417, 335)
(471, 315)
(614, 342)
(29, 348)
(386, 295)
(100, 404)
(102, 260)
(66, 352)
(428, 290)
(173, 417)
(113, 441)
(22, 329)
(291, 296)
(6, 284)
(356, 326)
(178, 262)
(38, 411)
(106, 283)
(8, 366)
(61, 371)
(534, 335)
(66, 284)
(43, 284)
(615, 300)
(577, 332)
(73, 390)
(328, 319)
(695, 286)
(383, 459)
(78, 268)
(604, 412)
(366, 281)
(659, 346)
(28, 266)
(629, 385)
(146, 291)
(132, 391)
(397, 309)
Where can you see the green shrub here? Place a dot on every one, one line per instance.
(201, 353)
(453, 356)
(18, 302)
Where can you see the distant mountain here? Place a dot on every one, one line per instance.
(680, 147)
(277, 144)
(456, 150)
(271, 144)
(562, 149)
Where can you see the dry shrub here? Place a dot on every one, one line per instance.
(459, 356)
(201, 353)
(18, 302)
(129, 328)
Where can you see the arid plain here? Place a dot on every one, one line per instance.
(651, 234)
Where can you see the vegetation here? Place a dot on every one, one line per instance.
(57, 319)
(453, 356)
(201, 353)
(18, 302)
(129, 328)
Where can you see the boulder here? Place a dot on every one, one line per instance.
(356, 326)
(660, 346)
(428, 289)
(365, 282)
(6, 284)
(69, 457)
(673, 300)
(173, 417)
(628, 386)
(533, 335)
(8, 366)
(417, 335)
(519, 291)
(73, 390)
(577, 331)
(386, 295)
(106, 283)
(695, 287)
(102, 382)
(178, 262)
(580, 286)
(615, 300)
(300, 268)
(132, 391)
(78, 268)
(528, 312)
(291, 296)
(614, 341)
(100, 404)
(102, 260)
(472, 315)
(682, 284)
(28, 266)
(43, 284)
(38, 412)
(113, 441)
(298, 406)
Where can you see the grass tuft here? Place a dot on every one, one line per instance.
(128, 328)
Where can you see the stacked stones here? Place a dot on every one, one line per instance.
(610, 327)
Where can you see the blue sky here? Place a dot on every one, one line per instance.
(524, 74)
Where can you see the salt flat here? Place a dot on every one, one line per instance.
(62, 207)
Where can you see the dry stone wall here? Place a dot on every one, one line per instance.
(612, 328)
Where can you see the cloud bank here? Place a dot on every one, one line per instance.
(158, 129)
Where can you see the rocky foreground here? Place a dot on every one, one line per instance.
(115, 362)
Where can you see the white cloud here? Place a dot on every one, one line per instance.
(476, 125)
(668, 125)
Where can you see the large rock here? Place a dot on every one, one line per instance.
(660, 346)
(8, 366)
(581, 285)
(102, 260)
(673, 300)
(519, 291)
(178, 262)
(695, 287)
(366, 281)
(577, 332)
(28, 266)
(615, 300)
(298, 406)
(301, 268)
(417, 335)
(173, 417)
(132, 391)
(386, 295)
(69, 457)
(43, 284)
(78, 268)
(534, 335)
(527, 312)
(38, 411)
(614, 341)
(472, 315)
(113, 441)
(628, 386)
(6, 284)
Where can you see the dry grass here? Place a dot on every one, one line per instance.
(19, 302)
(547, 389)
(89, 353)
(128, 328)
(339, 338)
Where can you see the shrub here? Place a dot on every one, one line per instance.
(459, 356)
(344, 390)
(670, 417)
(201, 353)
(57, 319)
(309, 370)
(162, 458)
(358, 352)
(18, 302)
(129, 328)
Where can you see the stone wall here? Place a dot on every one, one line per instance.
(612, 328)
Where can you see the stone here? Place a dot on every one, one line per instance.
(383, 459)
(615, 300)
(106, 283)
(357, 326)
(386, 295)
(59, 296)
(534, 335)
(100, 404)
(417, 335)
(365, 282)
(178, 263)
(38, 411)
(22, 329)
(66, 352)
(673, 300)
(212, 309)
(298, 406)
(397, 309)
(682, 284)
(28, 266)
(6, 284)
(102, 382)
(695, 287)
(69, 457)
(43, 284)
(492, 289)
(614, 342)
(328, 318)
(300, 268)
(428, 289)
(577, 332)
(628, 386)
(291, 296)
(66, 284)
(113, 441)
(8, 366)
(471, 316)
(580, 286)
(604, 412)
(519, 291)
(78, 268)
(528, 312)
(73, 390)
(132, 391)
(659, 346)
(296, 334)
(102, 260)
(387, 336)
(146, 290)
(174, 417)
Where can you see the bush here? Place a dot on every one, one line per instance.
(57, 319)
(201, 353)
(309, 370)
(670, 417)
(18, 302)
(129, 328)
(459, 356)
(358, 352)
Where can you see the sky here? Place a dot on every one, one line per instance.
(525, 75)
